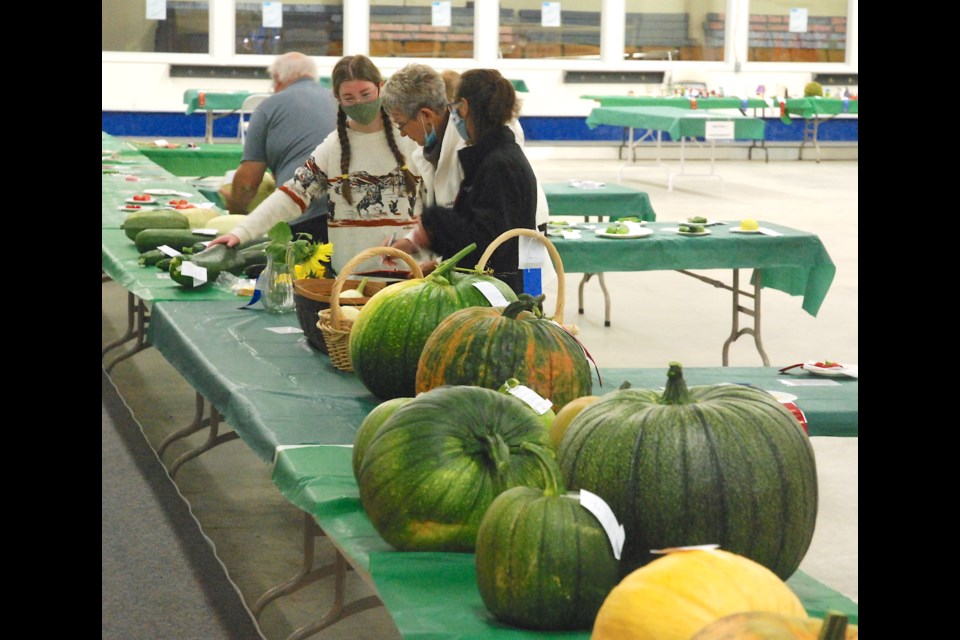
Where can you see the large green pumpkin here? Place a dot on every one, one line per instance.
(368, 428)
(484, 346)
(434, 466)
(543, 561)
(391, 329)
(724, 464)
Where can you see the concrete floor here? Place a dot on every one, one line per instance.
(657, 317)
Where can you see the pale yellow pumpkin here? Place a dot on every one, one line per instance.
(763, 625)
(679, 594)
(566, 415)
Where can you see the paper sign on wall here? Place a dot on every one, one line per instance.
(550, 14)
(532, 253)
(440, 14)
(798, 20)
(156, 9)
(273, 15)
(718, 130)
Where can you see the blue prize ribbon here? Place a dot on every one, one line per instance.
(743, 103)
(255, 297)
(846, 105)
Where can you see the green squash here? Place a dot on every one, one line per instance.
(434, 466)
(484, 346)
(368, 428)
(724, 464)
(543, 561)
(390, 331)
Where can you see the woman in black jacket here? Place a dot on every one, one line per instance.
(499, 188)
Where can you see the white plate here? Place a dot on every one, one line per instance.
(705, 232)
(782, 396)
(822, 371)
(161, 192)
(639, 233)
(152, 200)
(739, 230)
(130, 209)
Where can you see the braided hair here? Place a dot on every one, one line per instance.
(362, 68)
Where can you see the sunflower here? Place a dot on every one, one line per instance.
(315, 266)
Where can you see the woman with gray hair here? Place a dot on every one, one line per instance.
(416, 99)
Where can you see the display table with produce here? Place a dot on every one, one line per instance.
(429, 593)
(789, 260)
(200, 161)
(680, 102)
(814, 110)
(289, 404)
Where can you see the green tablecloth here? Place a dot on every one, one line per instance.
(796, 262)
(726, 102)
(520, 86)
(674, 121)
(432, 595)
(272, 388)
(203, 160)
(213, 100)
(807, 107)
(612, 200)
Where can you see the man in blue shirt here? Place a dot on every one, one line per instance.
(283, 132)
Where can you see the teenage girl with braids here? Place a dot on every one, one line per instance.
(362, 166)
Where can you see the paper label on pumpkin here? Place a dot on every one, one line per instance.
(602, 512)
(534, 400)
(198, 273)
(492, 294)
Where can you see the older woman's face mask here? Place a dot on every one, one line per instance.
(457, 121)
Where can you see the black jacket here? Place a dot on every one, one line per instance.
(498, 193)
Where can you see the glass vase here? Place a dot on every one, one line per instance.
(277, 283)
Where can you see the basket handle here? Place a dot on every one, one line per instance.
(355, 262)
(554, 258)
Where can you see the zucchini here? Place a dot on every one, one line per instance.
(150, 258)
(179, 239)
(215, 259)
(164, 265)
(160, 219)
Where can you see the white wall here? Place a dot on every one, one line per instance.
(142, 82)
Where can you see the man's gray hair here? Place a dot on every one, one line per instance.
(293, 66)
(412, 88)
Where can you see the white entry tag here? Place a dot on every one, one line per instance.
(492, 294)
(168, 251)
(602, 511)
(532, 253)
(534, 400)
(198, 273)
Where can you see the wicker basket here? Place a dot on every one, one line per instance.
(334, 327)
(312, 295)
(554, 258)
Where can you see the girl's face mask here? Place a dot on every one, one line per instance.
(364, 112)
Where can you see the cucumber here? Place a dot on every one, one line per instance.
(160, 219)
(179, 239)
(164, 265)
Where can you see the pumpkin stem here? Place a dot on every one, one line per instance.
(497, 451)
(834, 626)
(676, 391)
(551, 473)
(526, 302)
(449, 264)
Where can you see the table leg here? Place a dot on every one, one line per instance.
(137, 319)
(606, 296)
(738, 309)
(208, 132)
(214, 439)
(683, 172)
(811, 133)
